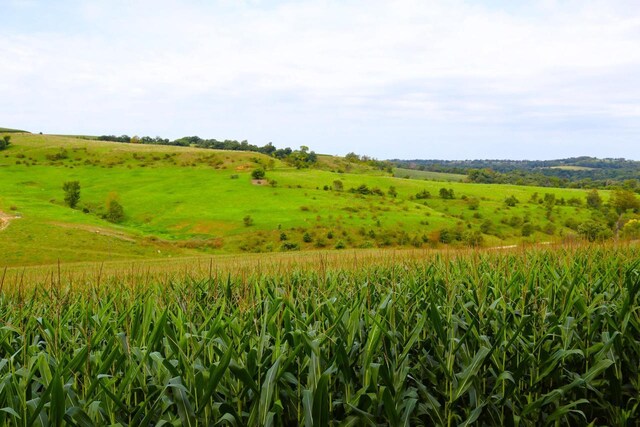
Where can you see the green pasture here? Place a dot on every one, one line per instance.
(428, 175)
(179, 200)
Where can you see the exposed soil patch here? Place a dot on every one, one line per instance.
(5, 219)
(97, 230)
(260, 181)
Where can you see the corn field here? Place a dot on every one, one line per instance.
(537, 337)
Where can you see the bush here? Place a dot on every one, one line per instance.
(473, 203)
(446, 194)
(473, 238)
(248, 221)
(340, 245)
(511, 201)
(258, 174)
(290, 246)
(527, 229)
(307, 238)
(424, 194)
(572, 223)
(487, 226)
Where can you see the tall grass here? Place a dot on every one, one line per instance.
(538, 337)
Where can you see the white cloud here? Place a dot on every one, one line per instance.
(444, 61)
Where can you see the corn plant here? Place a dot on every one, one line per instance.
(537, 337)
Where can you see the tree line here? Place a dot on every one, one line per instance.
(301, 158)
(576, 172)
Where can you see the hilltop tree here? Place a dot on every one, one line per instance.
(71, 193)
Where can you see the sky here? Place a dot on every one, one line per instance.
(433, 79)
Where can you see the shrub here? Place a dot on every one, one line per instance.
(290, 246)
(446, 194)
(473, 203)
(527, 229)
(248, 221)
(258, 173)
(511, 201)
(424, 194)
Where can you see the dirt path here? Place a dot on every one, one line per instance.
(5, 219)
(97, 230)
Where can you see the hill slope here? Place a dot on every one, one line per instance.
(184, 201)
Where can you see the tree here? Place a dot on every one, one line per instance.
(5, 142)
(623, 200)
(593, 230)
(258, 174)
(594, 201)
(71, 193)
(115, 211)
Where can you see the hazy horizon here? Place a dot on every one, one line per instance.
(407, 79)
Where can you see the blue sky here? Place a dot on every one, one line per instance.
(446, 79)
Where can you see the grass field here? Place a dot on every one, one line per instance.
(188, 201)
(8, 130)
(525, 337)
(428, 175)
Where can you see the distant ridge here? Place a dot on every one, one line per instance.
(8, 130)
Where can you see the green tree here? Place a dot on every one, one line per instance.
(5, 142)
(594, 201)
(115, 211)
(593, 230)
(623, 200)
(71, 193)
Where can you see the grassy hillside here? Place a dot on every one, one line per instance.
(8, 130)
(428, 175)
(185, 201)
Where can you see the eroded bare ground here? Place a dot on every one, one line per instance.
(97, 230)
(5, 219)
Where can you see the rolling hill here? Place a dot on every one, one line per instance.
(185, 201)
